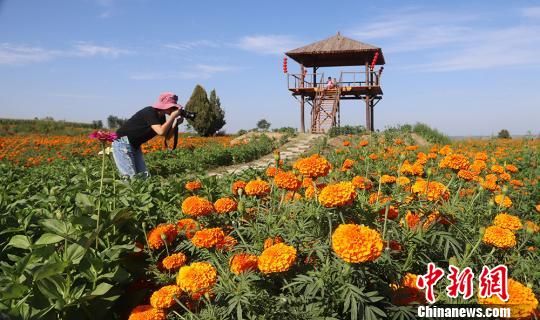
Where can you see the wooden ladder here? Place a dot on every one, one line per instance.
(325, 110)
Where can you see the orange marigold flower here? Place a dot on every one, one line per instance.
(467, 174)
(287, 181)
(208, 238)
(505, 176)
(193, 185)
(497, 169)
(402, 181)
(512, 168)
(238, 185)
(337, 195)
(225, 205)
(196, 206)
(411, 148)
(363, 143)
(174, 261)
(378, 197)
(292, 196)
(532, 227)
(412, 220)
(188, 226)
(272, 241)
(277, 258)
(147, 312)
(499, 237)
(155, 240)
(362, 183)
(398, 141)
(307, 182)
(538, 207)
(478, 166)
(521, 301)
(347, 164)
(356, 243)
(272, 171)
(446, 150)
(227, 243)
(257, 188)
(373, 156)
(433, 190)
(455, 161)
(164, 297)
(392, 212)
(421, 158)
(387, 179)
(489, 183)
(197, 279)
(503, 201)
(516, 183)
(243, 262)
(346, 143)
(314, 166)
(432, 155)
(407, 292)
(481, 156)
(507, 221)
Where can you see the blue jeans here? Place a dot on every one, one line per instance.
(129, 160)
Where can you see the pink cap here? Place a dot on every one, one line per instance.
(166, 100)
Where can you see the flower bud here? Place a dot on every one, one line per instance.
(505, 189)
(453, 261)
(241, 207)
(491, 203)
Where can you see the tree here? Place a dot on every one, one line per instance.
(210, 117)
(114, 122)
(504, 134)
(263, 124)
(97, 124)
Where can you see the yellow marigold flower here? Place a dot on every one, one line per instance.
(238, 185)
(208, 238)
(277, 258)
(225, 205)
(257, 188)
(387, 179)
(503, 201)
(272, 171)
(197, 279)
(499, 237)
(467, 175)
(287, 181)
(174, 261)
(314, 166)
(227, 243)
(455, 161)
(347, 164)
(243, 262)
(521, 301)
(507, 221)
(512, 168)
(272, 241)
(356, 243)
(531, 226)
(196, 206)
(188, 226)
(497, 169)
(433, 190)
(147, 312)
(164, 297)
(193, 185)
(402, 181)
(155, 240)
(337, 195)
(362, 183)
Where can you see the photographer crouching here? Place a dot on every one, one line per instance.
(141, 127)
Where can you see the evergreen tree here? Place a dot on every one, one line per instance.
(210, 117)
(219, 113)
(263, 125)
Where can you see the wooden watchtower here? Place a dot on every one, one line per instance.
(363, 84)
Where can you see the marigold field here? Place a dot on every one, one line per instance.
(340, 233)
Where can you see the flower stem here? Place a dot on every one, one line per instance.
(100, 191)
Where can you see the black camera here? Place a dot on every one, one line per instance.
(187, 115)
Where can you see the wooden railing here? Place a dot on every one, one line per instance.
(295, 80)
(371, 78)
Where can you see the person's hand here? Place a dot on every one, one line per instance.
(179, 120)
(175, 114)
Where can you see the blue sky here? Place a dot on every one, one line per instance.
(464, 67)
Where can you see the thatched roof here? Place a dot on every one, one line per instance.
(336, 51)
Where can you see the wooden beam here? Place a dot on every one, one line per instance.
(302, 125)
(371, 111)
(368, 113)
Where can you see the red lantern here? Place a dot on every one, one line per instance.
(285, 65)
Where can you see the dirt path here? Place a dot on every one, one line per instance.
(291, 150)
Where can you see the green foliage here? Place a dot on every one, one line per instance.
(210, 117)
(430, 134)
(263, 125)
(45, 126)
(504, 134)
(113, 122)
(337, 131)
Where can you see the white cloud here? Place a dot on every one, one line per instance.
(21, 54)
(199, 71)
(189, 45)
(268, 44)
(447, 43)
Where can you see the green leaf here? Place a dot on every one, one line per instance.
(50, 287)
(57, 227)
(83, 200)
(49, 270)
(74, 253)
(13, 291)
(19, 241)
(101, 289)
(48, 238)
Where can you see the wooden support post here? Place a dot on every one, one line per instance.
(368, 113)
(371, 112)
(314, 77)
(302, 125)
(367, 75)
